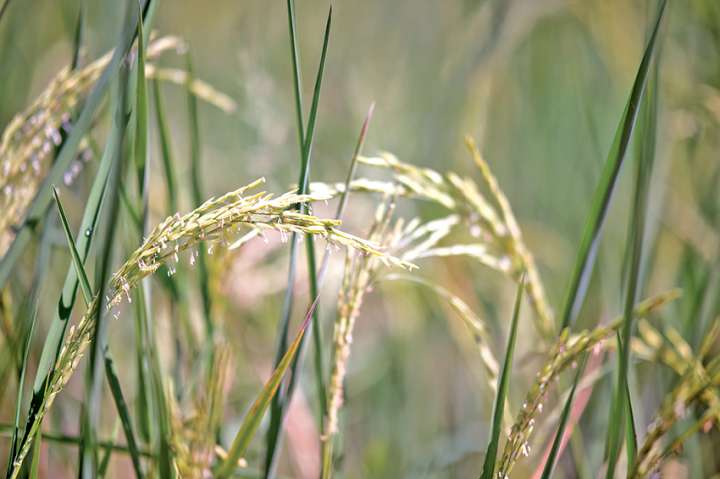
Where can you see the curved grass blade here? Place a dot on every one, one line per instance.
(499, 405)
(281, 401)
(254, 416)
(550, 463)
(621, 406)
(585, 260)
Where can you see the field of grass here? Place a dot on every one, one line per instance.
(373, 239)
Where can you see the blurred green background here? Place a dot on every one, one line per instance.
(540, 84)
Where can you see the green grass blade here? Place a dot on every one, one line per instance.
(252, 419)
(77, 261)
(297, 77)
(310, 134)
(109, 368)
(59, 324)
(3, 9)
(88, 435)
(281, 401)
(35, 464)
(175, 284)
(30, 310)
(499, 405)
(197, 197)
(165, 148)
(621, 406)
(147, 357)
(66, 155)
(141, 113)
(105, 461)
(585, 260)
(123, 413)
(90, 418)
(79, 36)
(630, 430)
(552, 457)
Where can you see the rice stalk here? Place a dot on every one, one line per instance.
(28, 143)
(409, 241)
(211, 223)
(678, 356)
(674, 408)
(500, 247)
(565, 353)
(218, 218)
(358, 275)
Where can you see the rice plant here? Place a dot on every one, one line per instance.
(204, 272)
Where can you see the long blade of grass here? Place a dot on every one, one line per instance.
(197, 197)
(252, 419)
(141, 113)
(585, 259)
(66, 155)
(165, 148)
(488, 469)
(174, 284)
(78, 38)
(109, 368)
(621, 406)
(550, 463)
(88, 436)
(148, 343)
(281, 401)
(30, 310)
(90, 418)
(77, 260)
(123, 413)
